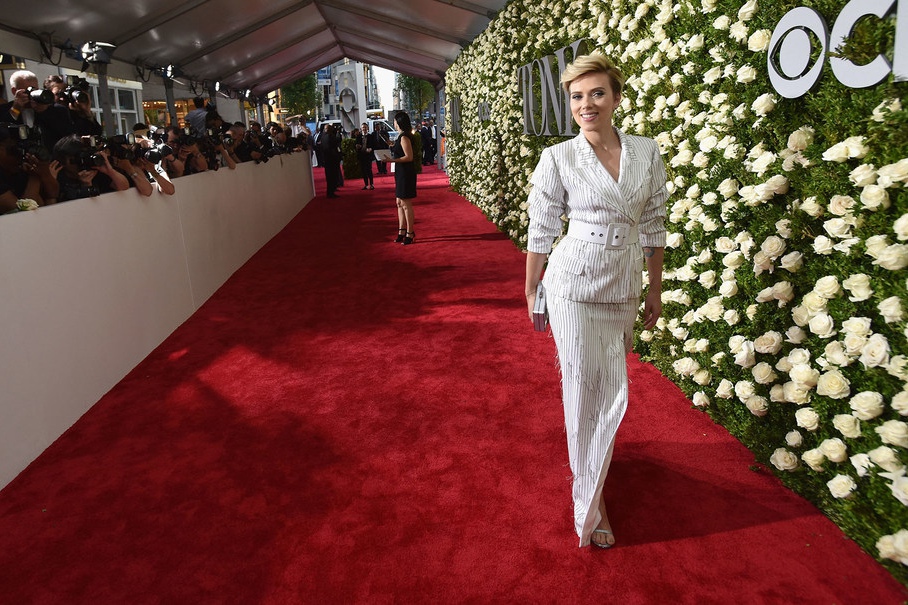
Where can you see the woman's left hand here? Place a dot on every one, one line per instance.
(652, 309)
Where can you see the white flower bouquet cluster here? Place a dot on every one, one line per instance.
(784, 286)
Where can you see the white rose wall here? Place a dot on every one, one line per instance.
(785, 285)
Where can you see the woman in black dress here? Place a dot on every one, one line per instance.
(404, 177)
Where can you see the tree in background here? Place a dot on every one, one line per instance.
(301, 97)
(417, 93)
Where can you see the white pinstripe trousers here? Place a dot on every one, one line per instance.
(593, 340)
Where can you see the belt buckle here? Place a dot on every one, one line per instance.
(616, 236)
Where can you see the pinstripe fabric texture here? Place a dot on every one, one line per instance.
(594, 292)
(569, 180)
(592, 341)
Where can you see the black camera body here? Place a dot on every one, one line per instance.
(155, 154)
(41, 96)
(28, 141)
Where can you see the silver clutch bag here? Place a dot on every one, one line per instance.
(540, 313)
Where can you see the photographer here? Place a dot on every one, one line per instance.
(186, 158)
(150, 157)
(77, 97)
(35, 107)
(123, 151)
(22, 176)
(257, 143)
(242, 150)
(86, 170)
(214, 144)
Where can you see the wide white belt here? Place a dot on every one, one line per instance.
(616, 236)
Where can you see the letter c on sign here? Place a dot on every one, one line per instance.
(788, 60)
(846, 72)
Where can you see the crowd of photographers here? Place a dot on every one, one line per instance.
(52, 149)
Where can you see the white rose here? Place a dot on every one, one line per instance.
(734, 259)
(769, 343)
(726, 389)
(811, 207)
(722, 22)
(744, 390)
(758, 406)
(794, 439)
(885, 457)
(899, 486)
(894, 257)
(875, 352)
(898, 367)
(861, 463)
(894, 547)
(728, 288)
(729, 187)
(792, 262)
(900, 226)
(784, 460)
(859, 326)
(759, 40)
(855, 147)
(685, 366)
(848, 425)
(712, 76)
(893, 432)
(827, 287)
(762, 373)
(773, 246)
(783, 226)
(854, 344)
(875, 244)
(814, 459)
(746, 74)
(702, 377)
(707, 279)
(836, 153)
(783, 292)
(748, 10)
(840, 205)
(801, 138)
(822, 325)
(834, 449)
(795, 392)
(874, 197)
(700, 399)
(859, 286)
(731, 317)
(834, 385)
(839, 228)
(835, 354)
(804, 374)
(796, 356)
(867, 405)
(807, 418)
(893, 173)
(822, 245)
(764, 104)
(899, 403)
(777, 393)
(863, 175)
(841, 486)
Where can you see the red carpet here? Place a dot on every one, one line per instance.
(350, 420)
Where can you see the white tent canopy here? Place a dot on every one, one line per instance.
(260, 45)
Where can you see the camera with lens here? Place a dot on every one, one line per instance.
(217, 138)
(28, 140)
(186, 137)
(120, 146)
(40, 95)
(155, 154)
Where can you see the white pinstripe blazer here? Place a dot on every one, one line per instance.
(569, 180)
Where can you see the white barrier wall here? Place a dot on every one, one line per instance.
(90, 287)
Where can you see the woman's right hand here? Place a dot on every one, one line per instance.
(531, 302)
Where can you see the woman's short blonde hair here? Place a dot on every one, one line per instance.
(595, 62)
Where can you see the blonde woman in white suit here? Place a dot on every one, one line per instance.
(611, 187)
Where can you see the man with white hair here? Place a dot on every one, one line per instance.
(32, 108)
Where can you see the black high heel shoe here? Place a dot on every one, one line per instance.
(409, 238)
(400, 236)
